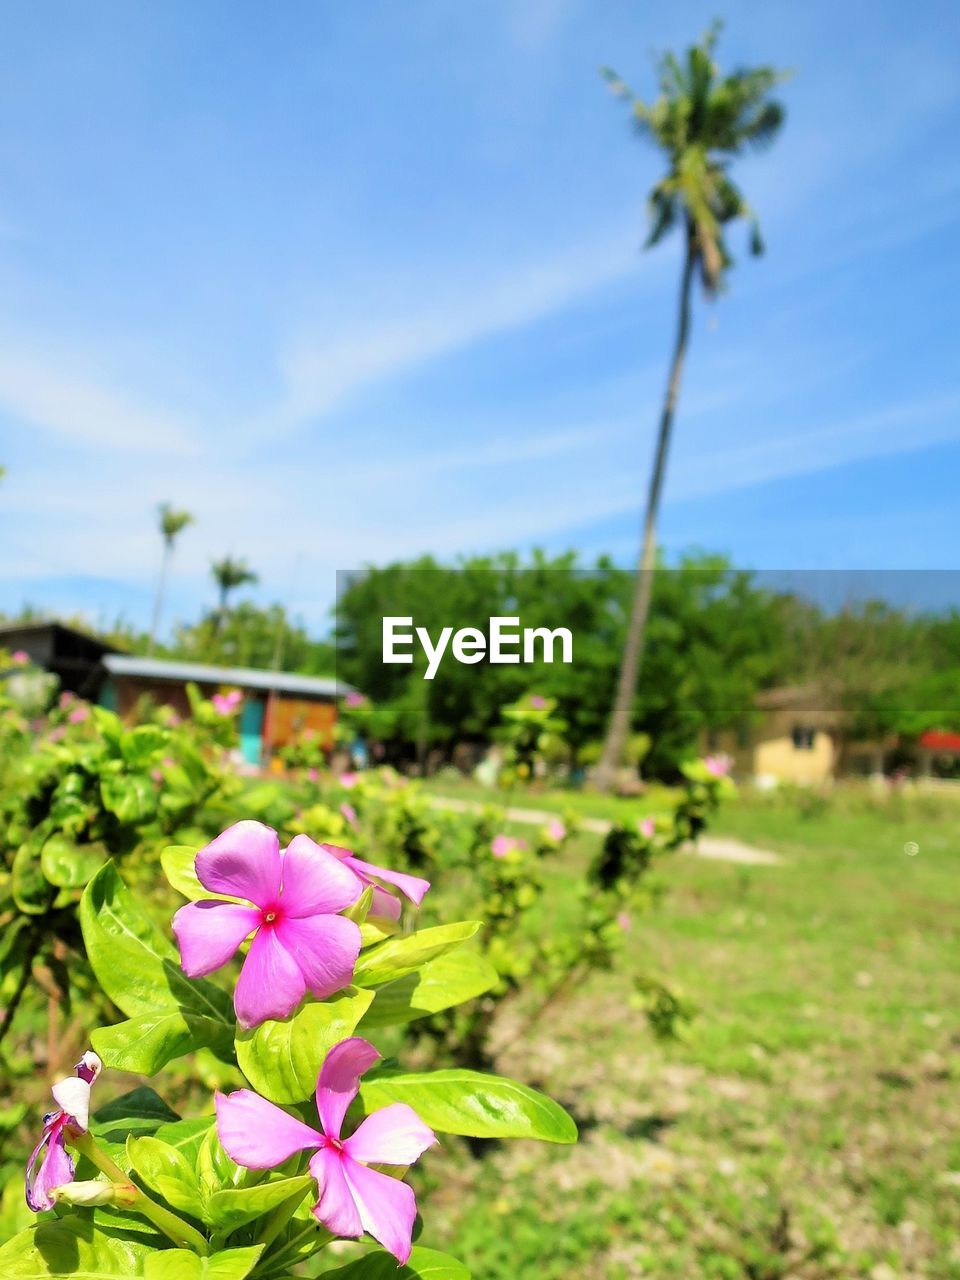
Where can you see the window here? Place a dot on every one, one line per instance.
(803, 736)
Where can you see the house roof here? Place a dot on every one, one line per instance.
(123, 664)
(23, 632)
(940, 740)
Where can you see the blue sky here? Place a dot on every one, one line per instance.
(352, 282)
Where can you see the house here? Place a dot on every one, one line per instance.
(793, 738)
(277, 705)
(74, 657)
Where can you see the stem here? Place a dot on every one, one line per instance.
(279, 1260)
(172, 1226)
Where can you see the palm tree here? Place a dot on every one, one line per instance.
(228, 575)
(172, 524)
(700, 121)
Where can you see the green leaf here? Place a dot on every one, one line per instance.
(398, 956)
(69, 865)
(234, 1207)
(31, 891)
(72, 1247)
(186, 1135)
(177, 861)
(472, 1103)
(138, 1111)
(181, 1264)
(138, 745)
(130, 797)
(448, 980)
(136, 965)
(424, 1264)
(282, 1059)
(149, 1042)
(166, 1171)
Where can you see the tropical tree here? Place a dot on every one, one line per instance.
(701, 120)
(172, 524)
(228, 575)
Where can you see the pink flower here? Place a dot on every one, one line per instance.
(157, 775)
(313, 775)
(384, 903)
(538, 702)
(79, 714)
(354, 699)
(352, 1197)
(624, 921)
(67, 699)
(648, 828)
(56, 1168)
(719, 765)
(226, 703)
(349, 780)
(20, 659)
(300, 944)
(350, 813)
(57, 734)
(556, 830)
(502, 845)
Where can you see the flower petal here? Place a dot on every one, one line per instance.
(387, 1207)
(324, 948)
(208, 933)
(392, 1135)
(56, 1170)
(257, 1134)
(243, 862)
(314, 881)
(270, 983)
(335, 1207)
(411, 887)
(385, 903)
(72, 1096)
(340, 1080)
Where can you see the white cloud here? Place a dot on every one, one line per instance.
(45, 393)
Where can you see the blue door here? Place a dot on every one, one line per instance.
(251, 731)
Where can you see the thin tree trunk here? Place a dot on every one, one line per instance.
(158, 602)
(620, 717)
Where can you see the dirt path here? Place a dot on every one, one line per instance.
(716, 848)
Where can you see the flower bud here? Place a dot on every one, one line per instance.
(83, 1195)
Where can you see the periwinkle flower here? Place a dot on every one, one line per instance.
(291, 900)
(648, 828)
(352, 1197)
(719, 765)
(502, 845)
(226, 703)
(56, 1169)
(556, 830)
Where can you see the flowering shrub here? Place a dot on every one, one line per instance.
(532, 735)
(314, 1142)
(75, 794)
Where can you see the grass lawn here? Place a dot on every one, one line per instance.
(808, 1123)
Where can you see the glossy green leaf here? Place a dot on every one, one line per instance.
(177, 861)
(448, 980)
(138, 1111)
(73, 1246)
(31, 891)
(181, 1264)
(424, 1264)
(166, 1171)
(139, 745)
(149, 1042)
(282, 1059)
(137, 966)
(472, 1103)
(233, 1207)
(398, 956)
(131, 797)
(69, 865)
(186, 1135)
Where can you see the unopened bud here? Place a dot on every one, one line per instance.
(84, 1195)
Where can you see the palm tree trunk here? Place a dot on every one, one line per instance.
(620, 717)
(158, 602)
